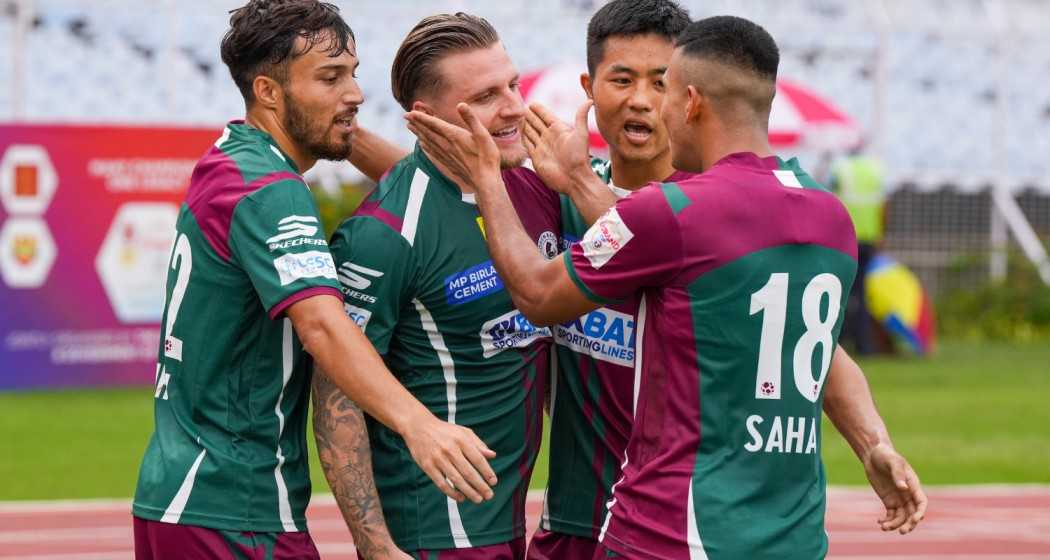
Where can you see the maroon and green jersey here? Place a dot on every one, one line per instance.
(743, 274)
(229, 449)
(592, 397)
(418, 278)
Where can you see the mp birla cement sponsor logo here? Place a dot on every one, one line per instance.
(473, 283)
(311, 264)
(295, 231)
(605, 238)
(510, 330)
(603, 334)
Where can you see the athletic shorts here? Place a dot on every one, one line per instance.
(167, 541)
(547, 545)
(510, 550)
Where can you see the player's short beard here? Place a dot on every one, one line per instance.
(314, 139)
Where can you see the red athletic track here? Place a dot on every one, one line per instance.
(981, 523)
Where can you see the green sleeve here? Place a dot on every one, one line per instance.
(376, 269)
(276, 237)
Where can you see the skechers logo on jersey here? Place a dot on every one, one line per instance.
(605, 238)
(294, 231)
(472, 283)
(510, 330)
(311, 264)
(603, 334)
(358, 315)
(355, 277)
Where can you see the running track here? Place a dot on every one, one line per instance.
(979, 523)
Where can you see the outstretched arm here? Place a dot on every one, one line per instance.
(342, 447)
(850, 406)
(373, 155)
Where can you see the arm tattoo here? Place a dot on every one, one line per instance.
(342, 447)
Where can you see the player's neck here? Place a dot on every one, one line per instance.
(719, 143)
(633, 174)
(449, 176)
(268, 123)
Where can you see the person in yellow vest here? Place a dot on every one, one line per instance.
(859, 182)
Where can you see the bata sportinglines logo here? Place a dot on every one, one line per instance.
(603, 334)
(294, 231)
(510, 330)
(605, 238)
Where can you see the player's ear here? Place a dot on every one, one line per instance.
(585, 83)
(694, 105)
(422, 107)
(268, 92)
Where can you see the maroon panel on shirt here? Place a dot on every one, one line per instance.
(216, 187)
(655, 487)
(278, 309)
(538, 207)
(634, 245)
(371, 208)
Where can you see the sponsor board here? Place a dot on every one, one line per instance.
(310, 264)
(27, 253)
(604, 334)
(132, 262)
(510, 330)
(27, 180)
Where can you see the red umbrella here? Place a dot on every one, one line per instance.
(800, 118)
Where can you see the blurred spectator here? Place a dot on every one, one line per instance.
(859, 180)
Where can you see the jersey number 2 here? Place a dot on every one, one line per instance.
(772, 301)
(181, 260)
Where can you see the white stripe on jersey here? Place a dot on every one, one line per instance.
(448, 367)
(787, 178)
(639, 342)
(222, 139)
(692, 532)
(284, 507)
(612, 502)
(545, 517)
(415, 203)
(178, 503)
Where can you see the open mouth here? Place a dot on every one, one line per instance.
(637, 132)
(505, 134)
(346, 122)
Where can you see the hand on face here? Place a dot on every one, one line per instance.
(470, 155)
(557, 149)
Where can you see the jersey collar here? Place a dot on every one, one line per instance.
(250, 133)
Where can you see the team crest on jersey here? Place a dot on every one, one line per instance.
(548, 244)
(294, 231)
(510, 330)
(605, 238)
(604, 334)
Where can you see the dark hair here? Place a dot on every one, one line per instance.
(733, 41)
(262, 35)
(627, 18)
(415, 65)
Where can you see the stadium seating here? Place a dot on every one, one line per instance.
(158, 62)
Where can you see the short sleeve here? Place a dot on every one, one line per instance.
(538, 207)
(277, 238)
(374, 264)
(636, 244)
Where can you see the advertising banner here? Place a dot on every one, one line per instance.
(87, 218)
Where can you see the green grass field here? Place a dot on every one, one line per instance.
(972, 414)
